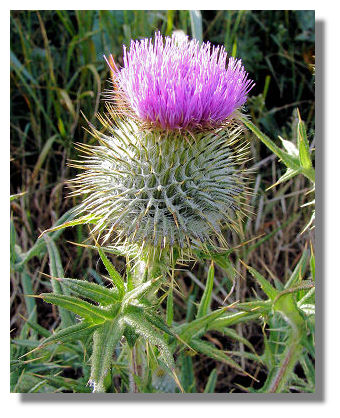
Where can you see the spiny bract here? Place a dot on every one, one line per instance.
(161, 189)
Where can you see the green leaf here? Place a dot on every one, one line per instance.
(312, 265)
(263, 306)
(187, 374)
(211, 384)
(221, 259)
(211, 351)
(105, 340)
(38, 328)
(38, 103)
(187, 331)
(27, 288)
(72, 333)
(299, 270)
(309, 297)
(206, 297)
(56, 270)
(92, 291)
(232, 319)
(43, 154)
(308, 368)
(158, 322)
(24, 343)
(289, 174)
(268, 289)
(80, 307)
(170, 306)
(196, 25)
(67, 383)
(153, 317)
(287, 159)
(231, 333)
(129, 279)
(115, 276)
(304, 155)
(87, 219)
(21, 68)
(143, 327)
(141, 290)
(286, 306)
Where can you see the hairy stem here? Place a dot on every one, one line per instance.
(151, 264)
(133, 370)
(280, 374)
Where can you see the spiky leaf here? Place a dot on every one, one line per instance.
(199, 325)
(268, 289)
(148, 332)
(114, 275)
(206, 298)
(105, 340)
(72, 333)
(80, 307)
(213, 352)
(91, 291)
(56, 270)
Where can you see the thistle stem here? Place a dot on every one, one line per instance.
(150, 265)
(133, 370)
(280, 374)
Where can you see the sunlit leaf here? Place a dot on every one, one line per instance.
(206, 297)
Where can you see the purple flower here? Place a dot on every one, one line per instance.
(176, 83)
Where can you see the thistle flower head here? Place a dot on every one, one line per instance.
(176, 83)
(179, 182)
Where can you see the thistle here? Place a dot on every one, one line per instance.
(167, 173)
(165, 179)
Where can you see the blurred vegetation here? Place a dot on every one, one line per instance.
(58, 73)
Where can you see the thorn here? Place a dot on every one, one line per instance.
(34, 296)
(298, 112)
(247, 242)
(232, 305)
(22, 317)
(177, 380)
(185, 343)
(245, 265)
(249, 375)
(51, 277)
(80, 245)
(32, 360)
(32, 351)
(242, 387)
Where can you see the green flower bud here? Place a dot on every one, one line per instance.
(162, 189)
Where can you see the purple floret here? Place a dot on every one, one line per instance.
(176, 83)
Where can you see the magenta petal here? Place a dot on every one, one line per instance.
(178, 83)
